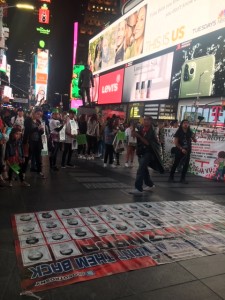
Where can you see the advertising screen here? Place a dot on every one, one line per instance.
(3, 63)
(75, 90)
(199, 67)
(110, 87)
(148, 80)
(41, 72)
(94, 90)
(153, 26)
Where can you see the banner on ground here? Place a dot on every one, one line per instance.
(61, 247)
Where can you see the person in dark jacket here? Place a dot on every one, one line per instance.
(85, 82)
(183, 141)
(14, 156)
(148, 152)
(32, 138)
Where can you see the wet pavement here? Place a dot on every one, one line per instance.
(90, 184)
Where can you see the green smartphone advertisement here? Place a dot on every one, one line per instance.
(197, 76)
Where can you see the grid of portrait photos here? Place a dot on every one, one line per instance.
(175, 230)
(65, 246)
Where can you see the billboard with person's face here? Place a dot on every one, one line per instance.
(153, 26)
(41, 72)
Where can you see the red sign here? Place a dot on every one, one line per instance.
(43, 16)
(47, 1)
(217, 111)
(110, 87)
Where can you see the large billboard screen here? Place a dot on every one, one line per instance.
(148, 80)
(199, 67)
(75, 90)
(41, 72)
(153, 26)
(110, 87)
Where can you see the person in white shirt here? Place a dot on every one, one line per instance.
(55, 126)
(18, 120)
(71, 131)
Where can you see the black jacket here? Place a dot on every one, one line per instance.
(86, 79)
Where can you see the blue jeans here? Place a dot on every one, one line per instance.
(142, 172)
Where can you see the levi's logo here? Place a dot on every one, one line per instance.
(109, 88)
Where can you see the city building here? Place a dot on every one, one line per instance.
(97, 14)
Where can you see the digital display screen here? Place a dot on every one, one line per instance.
(136, 34)
(148, 80)
(110, 87)
(41, 72)
(75, 90)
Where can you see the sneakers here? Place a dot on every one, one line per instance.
(104, 165)
(2, 182)
(41, 175)
(24, 183)
(112, 166)
(136, 192)
(10, 184)
(70, 165)
(126, 165)
(149, 188)
(63, 166)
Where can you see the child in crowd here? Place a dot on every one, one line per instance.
(220, 170)
(14, 156)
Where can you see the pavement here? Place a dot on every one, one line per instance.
(194, 279)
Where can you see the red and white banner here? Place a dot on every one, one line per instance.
(61, 247)
(208, 153)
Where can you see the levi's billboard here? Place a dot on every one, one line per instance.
(111, 87)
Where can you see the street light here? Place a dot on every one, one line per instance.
(61, 98)
(31, 75)
(19, 5)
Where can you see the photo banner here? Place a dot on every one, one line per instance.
(208, 153)
(66, 246)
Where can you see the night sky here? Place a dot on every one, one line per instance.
(23, 35)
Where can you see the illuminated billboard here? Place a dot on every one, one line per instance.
(41, 78)
(110, 87)
(198, 69)
(3, 63)
(148, 80)
(153, 26)
(75, 90)
(94, 90)
(44, 14)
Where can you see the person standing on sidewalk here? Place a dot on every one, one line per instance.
(109, 135)
(71, 133)
(148, 152)
(182, 139)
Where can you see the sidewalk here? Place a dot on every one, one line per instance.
(90, 184)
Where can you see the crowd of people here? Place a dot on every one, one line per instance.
(24, 136)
